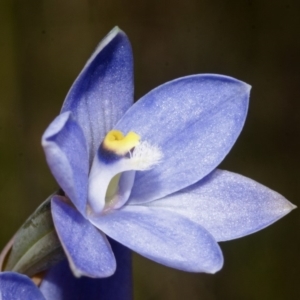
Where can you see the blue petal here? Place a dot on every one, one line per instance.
(14, 286)
(87, 249)
(195, 121)
(164, 237)
(66, 153)
(60, 284)
(228, 205)
(103, 91)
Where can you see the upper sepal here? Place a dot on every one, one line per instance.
(103, 91)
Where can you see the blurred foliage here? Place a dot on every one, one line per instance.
(44, 44)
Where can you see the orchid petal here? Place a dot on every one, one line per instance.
(14, 286)
(164, 237)
(228, 205)
(87, 249)
(66, 153)
(60, 284)
(103, 91)
(197, 120)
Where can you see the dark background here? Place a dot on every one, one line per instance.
(44, 45)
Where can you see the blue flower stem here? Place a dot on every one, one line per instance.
(60, 284)
(119, 286)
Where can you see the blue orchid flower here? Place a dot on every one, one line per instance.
(59, 283)
(145, 174)
(15, 286)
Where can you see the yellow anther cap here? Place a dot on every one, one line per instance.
(116, 142)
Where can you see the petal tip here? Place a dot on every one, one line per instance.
(217, 269)
(289, 206)
(109, 37)
(248, 87)
(114, 31)
(245, 87)
(283, 206)
(219, 264)
(78, 273)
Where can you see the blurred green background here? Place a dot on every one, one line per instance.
(43, 46)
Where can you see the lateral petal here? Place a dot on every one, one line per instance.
(195, 121)
(163, 236)
(103, 91)
(228, 205)
(87, 249)
(66, 153)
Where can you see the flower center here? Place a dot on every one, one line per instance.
(122, 155)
